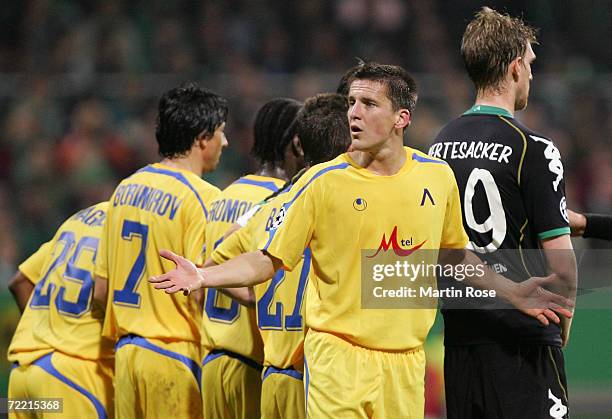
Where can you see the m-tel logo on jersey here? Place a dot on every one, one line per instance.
(385, 245)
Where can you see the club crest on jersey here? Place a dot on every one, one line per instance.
(279, 218)
(360, 204)
(392, 243)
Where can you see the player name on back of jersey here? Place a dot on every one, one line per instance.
(156, 201)
(90, 216)
(471, 150)
(228, 210)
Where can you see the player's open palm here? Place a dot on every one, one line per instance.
(536, 301)
(184, 277)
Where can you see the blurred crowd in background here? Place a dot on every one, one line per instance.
(79, 84)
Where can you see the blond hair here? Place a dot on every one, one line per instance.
(491, 41)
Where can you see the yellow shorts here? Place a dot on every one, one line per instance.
(156, 380)
(282, 394)
(231, 386)
(343, 380)
(85, 387)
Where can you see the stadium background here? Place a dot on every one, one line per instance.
(79, 82)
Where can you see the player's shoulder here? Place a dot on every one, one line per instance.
(530, 135)
(251, 188)
(91, 217)
(433, 165)
(536, 141)
(183, 179)
(325, 169)
(449, 127)
(100, 206)
(205, 188)
(424, 158)
(322, 173)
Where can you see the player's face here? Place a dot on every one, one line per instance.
(371, 116)
(214, 147)
(525, 77)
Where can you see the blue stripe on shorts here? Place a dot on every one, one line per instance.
(45, 364)
(143, 343)
(222, 352)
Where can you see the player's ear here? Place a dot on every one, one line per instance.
(296, 147)
(403, 118)
(514, 68)
(201, 141)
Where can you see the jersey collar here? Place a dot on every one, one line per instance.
(487, 110)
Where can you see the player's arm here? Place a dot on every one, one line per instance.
(100, 295)
(245, 270)
(529, 296)
(29, 273)
(577, 222)
(596, 226)
(233, 228)
(283, 248)
(243, 295)
(21, 287)
(101, 269)
(239, 239)
(562, 262)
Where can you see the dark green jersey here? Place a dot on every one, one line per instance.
(513, 196)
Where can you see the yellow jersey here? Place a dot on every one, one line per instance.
(158, 207)
(341, 210)
(25, 348)
(62, 300)
(280, 301)
(226, 324)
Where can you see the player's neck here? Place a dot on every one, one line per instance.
(185, 163)
(271, 170)
(385, 161)
(504, 100)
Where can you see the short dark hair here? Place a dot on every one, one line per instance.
(401, 87)
(322, 127)
(184, 113)
(491, 41)
(274, 129)
(344, 83)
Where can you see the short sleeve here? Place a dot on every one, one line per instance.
(453, 233)
(292, 227)
(33, 266)
(194, 232)
(543, 188)
(101, 267)
(236, 244)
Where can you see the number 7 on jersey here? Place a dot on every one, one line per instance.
(127, 296)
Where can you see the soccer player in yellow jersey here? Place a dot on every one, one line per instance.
(25, 348)
(323, 133)
(163, 205)
(233, 353)
(58, 348)
(363, 363)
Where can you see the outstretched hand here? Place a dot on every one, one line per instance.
(185, 277)
(534, 300)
